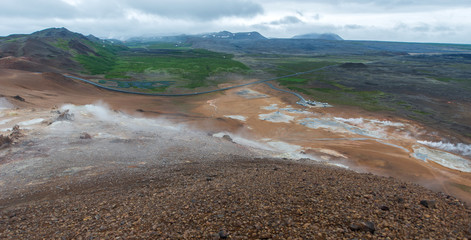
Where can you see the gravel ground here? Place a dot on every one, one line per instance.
(236, 198)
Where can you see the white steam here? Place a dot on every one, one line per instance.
(275, 149)
(101, 113)
(361, 121)
(460, 148)
(5, 104)
(443, 158)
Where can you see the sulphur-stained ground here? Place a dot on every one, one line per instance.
(238, 198)
(78, 162)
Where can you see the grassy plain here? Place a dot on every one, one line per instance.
(187, 68)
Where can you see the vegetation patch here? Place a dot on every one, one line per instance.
(62, 44)
(193, 67)
(103, 61)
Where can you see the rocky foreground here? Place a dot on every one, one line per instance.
(236, 199)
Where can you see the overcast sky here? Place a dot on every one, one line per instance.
(388, 20)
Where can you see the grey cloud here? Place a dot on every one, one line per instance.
(202, 10)
(286, 20)
(442, 28)
(353, 26)
(386, 2)
(36, 9)
(372, 6)
(176, 9)
(421, 28)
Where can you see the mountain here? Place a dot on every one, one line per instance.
(323, 36)
(223, 35)
(52, 49)
(234, 36)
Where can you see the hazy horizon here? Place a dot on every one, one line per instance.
(378, 20)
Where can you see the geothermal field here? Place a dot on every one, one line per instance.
(205, 138)
(81, 146)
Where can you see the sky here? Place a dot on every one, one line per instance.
(446, 21)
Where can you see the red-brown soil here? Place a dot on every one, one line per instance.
(239, 199)
(297, 200)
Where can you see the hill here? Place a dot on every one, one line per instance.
(234, 36)
(324, 36)
(53, 49)
(223, 35)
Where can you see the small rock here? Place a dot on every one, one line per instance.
(223, 234)
(228, 138)
(85, 136)
(65, 116)
(384, 208)
(19, 98)
(5, 140)
(428, 203)
(363, 226)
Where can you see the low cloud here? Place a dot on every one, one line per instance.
(173, 9)
(395, 20)
(353, 26)
(202, 10)
(286, 20)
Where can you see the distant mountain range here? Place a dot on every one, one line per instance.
(323, 36)
(226, 35)
(223, 35)
(234, 36)
(58, 49)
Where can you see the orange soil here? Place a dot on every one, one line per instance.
(208, 113)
